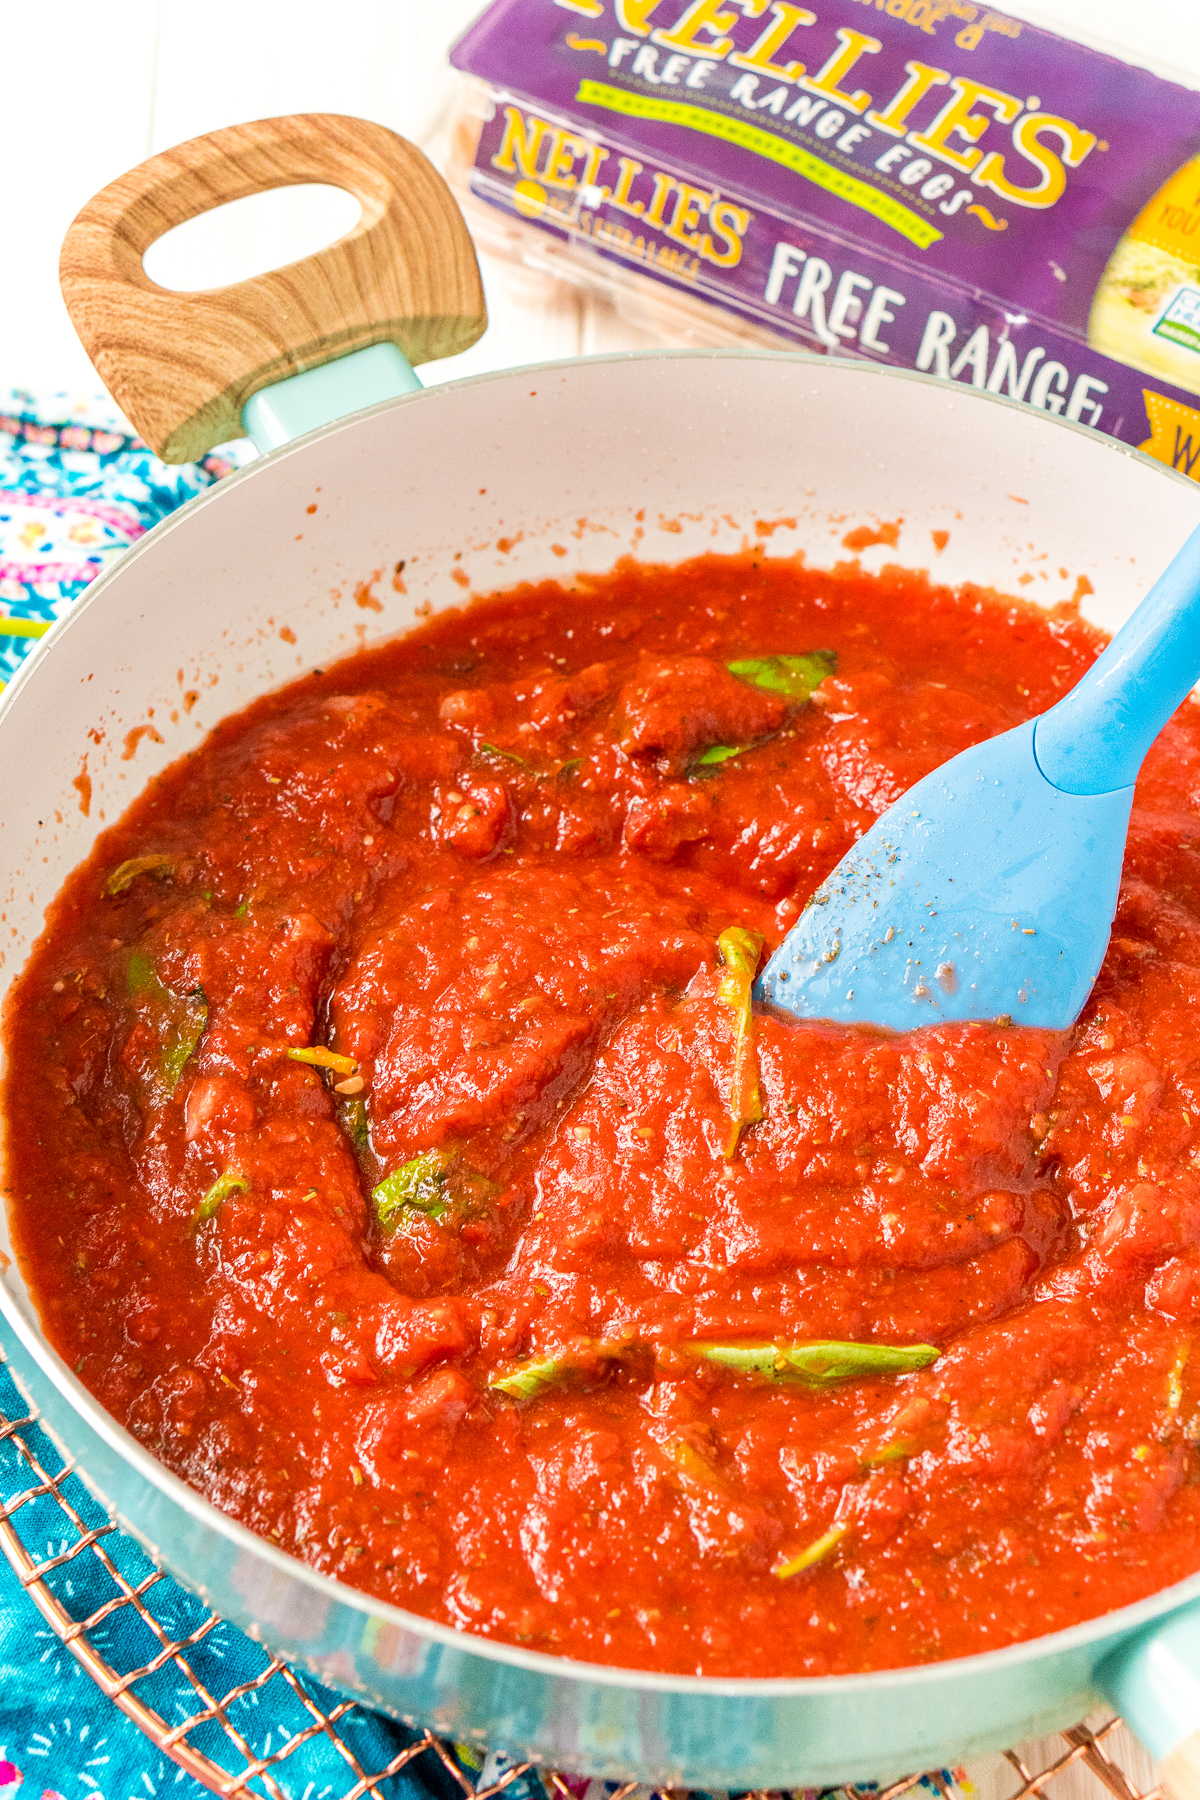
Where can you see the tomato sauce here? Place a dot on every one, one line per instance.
(393, 1151)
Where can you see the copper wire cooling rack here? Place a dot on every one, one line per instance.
(167, 1655)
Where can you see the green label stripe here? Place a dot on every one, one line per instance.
(1178, 333)
(765, 143)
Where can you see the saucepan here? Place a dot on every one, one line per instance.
(290, 564)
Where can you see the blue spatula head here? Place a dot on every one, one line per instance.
(986, 893)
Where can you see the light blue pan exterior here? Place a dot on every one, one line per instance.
(670, 1731)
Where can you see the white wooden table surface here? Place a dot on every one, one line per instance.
(89, 90)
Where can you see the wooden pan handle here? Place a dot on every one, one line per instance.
(183, 365)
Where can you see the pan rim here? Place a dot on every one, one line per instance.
(1106, 1628)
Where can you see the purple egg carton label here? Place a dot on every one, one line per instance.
(927, 183)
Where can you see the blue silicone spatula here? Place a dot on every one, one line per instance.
(988, 891)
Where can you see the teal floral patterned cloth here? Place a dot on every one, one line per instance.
(77, 489)
(62, 1739)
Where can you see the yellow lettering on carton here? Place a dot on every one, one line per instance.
(957, 119)
(628, 168)
(690, 208)
(1052, 179)
(632, 15)
(519, 147)
(852, 45)
(894, 116)
(729, 224)
(926, 15)
(663, 185)
(529, 198)
(706, 16)
(1171, 220)
(1174, 433)
(564, 147)
(596, 155)
(786, 20)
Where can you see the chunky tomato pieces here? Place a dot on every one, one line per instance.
(395, 1150)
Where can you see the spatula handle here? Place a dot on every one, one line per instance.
(183, 365)
(1094, 740)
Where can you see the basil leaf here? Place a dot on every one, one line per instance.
(354, 1121)
(228, 1183)
(795, 676)
(128, 872)
(719, 753)
(183, 1030)
(179, 1019)
(434, 1183)
(818, 1362)
(321, 1058)
(417, 1185)
(508, 755)
(740, 950)
(140, 977)
(815, 1553)
(530, 1379)
(893, 1452)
